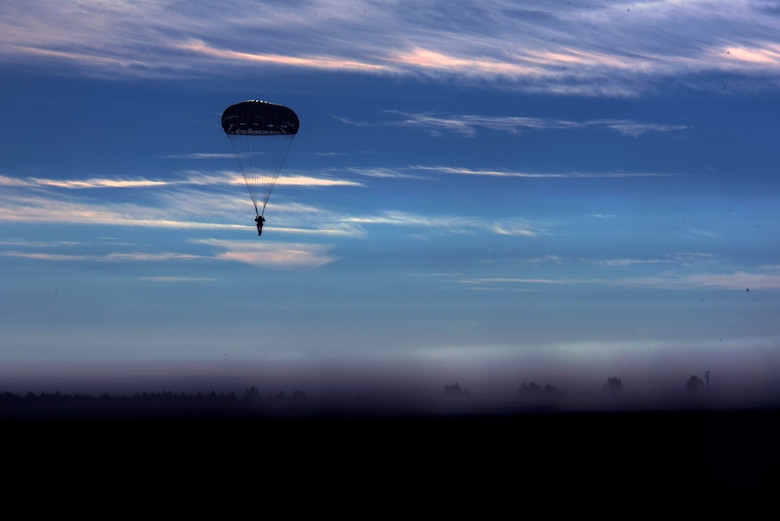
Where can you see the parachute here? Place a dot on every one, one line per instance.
(261, 134)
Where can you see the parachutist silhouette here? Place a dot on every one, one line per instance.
(259, 220)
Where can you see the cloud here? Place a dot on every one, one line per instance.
(302, 180)
(31, 182)
(634, 128)
(611, 48)
(738, 280)
(630, 262)
(190, 200)
(181, 203)
(760, 55)
(449, 224)
(186, 210)
(200, 155)
(533, 175)
(503, 281)
(109, 257)
(189, 178)
(419, 171)
(384, 173)
(39, 244)
(413, 219)
(434, 61)
(324, 62)
(177, 279)
(706, 233)
(468, 125)
(267, 254)
(51, 209)
(175, 204)
(686, 259)
(97, 183)
(516, 228)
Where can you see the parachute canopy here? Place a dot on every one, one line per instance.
(261, 134)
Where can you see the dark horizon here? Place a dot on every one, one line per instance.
(390, 396)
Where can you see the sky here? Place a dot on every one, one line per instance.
(487, 193)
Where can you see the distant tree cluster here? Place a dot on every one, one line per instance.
(58, 397)
(253, 394)
(534, 388)
(613, 385)
(165, 396)
(455, 390)
(694, 383)
(43, 397)
(529, 388)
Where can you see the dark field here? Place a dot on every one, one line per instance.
(696, 450)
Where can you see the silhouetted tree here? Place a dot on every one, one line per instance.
(455, 390)
(251, 394)
(552, 390)
(613, 385)
(533, 387)
(9, 396)
(693, 384)
(299, 395)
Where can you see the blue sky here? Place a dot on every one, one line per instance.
(486, 192)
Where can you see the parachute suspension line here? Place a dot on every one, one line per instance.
(260, 161)
(244, 164)
(275, 148)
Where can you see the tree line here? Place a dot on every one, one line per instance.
(250, 394)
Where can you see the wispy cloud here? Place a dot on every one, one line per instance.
(185, 209)
(613, 47)
(634, 128)
(517, 228)
(736, 280)
(385, 172)
(425, 171)
(451, 224)
(759, 55)
(686, 259)
(176, 204)
(630, 262)
(533, 175)
(314, 61)
(109, 257)
(266, 254)
(302, 180)
(199, 155)
(188, 178)
(42, 209)
(396, 218)
(269, 254)
(98, 183)
(468, 125)
(183, 204)
(681, 259)
(706, 233)
(479, 66)
(190, 200)
(167, 279)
